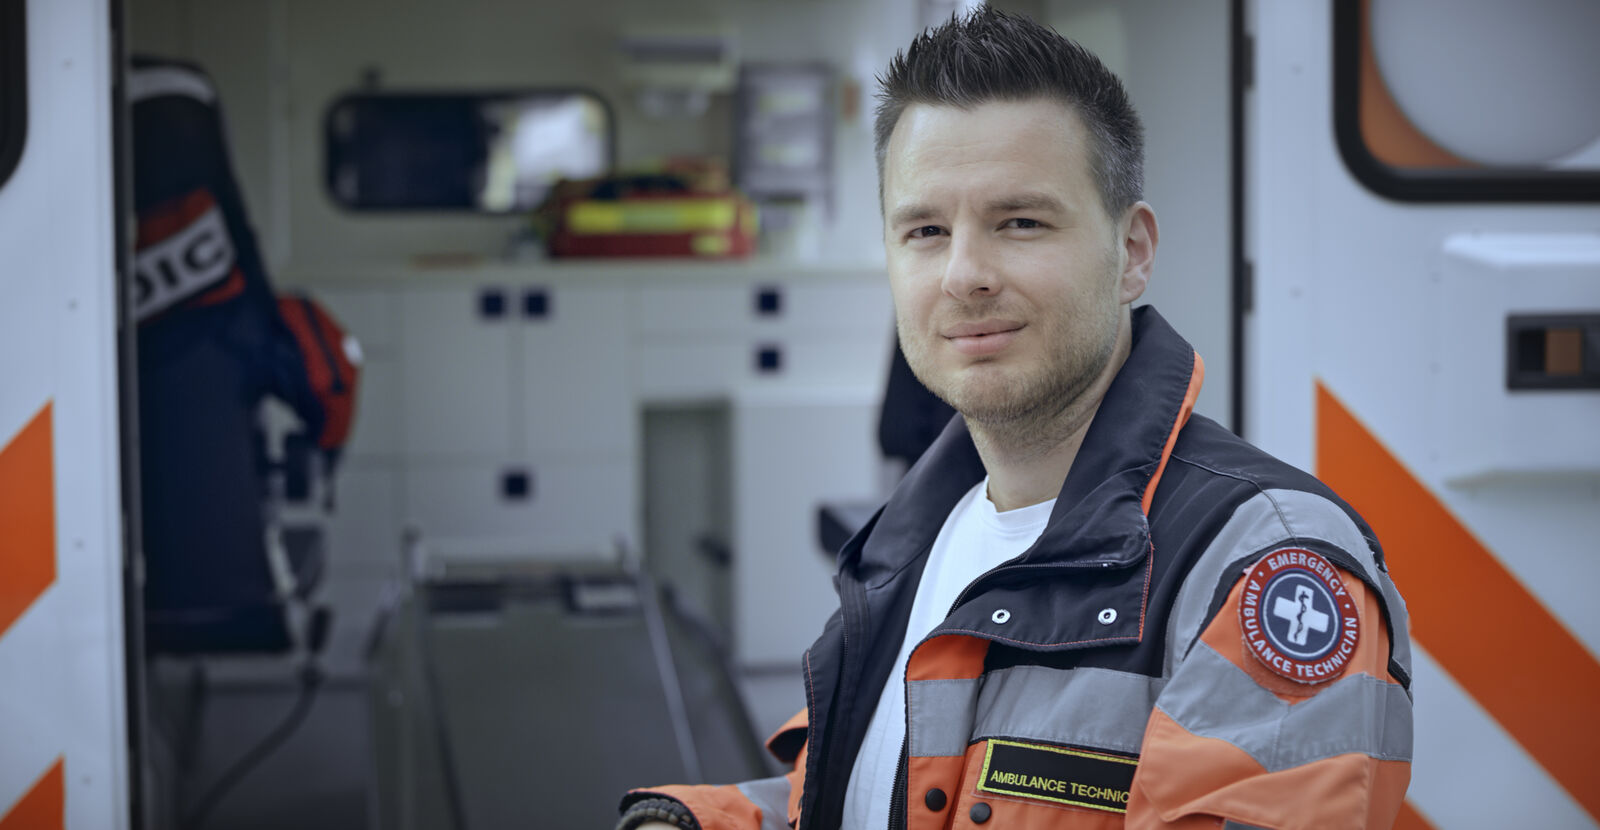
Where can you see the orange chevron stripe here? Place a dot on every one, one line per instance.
(44, 806)
(27, 518)
(1482, 625)
(1410, 819)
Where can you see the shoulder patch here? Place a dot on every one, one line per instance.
(1297, 618)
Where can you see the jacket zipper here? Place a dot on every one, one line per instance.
(852, 598)
(898, 799)
(899, 806)
(897, 796)
(836, 776)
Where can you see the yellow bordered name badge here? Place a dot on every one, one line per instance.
(1058, 774)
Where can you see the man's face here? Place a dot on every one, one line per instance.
(1007, 273)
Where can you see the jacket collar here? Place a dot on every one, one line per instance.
(1099, 517)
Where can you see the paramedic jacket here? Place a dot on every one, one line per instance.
(1109, 676)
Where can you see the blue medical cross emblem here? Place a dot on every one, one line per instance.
(1303, 618)
(1300, 614)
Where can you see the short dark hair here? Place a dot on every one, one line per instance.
(990, 55)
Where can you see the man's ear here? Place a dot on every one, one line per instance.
(1139, 235)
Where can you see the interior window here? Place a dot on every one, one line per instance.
(495, 152)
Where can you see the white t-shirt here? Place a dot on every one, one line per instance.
(974, 539)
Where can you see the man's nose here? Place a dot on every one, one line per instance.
(970, 269)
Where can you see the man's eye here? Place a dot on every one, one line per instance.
(926, 231)
(1023, 223)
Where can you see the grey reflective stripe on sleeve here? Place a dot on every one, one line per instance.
(1230, 824)
(1267, 518)
(1089, 707)
(772, 796)
(1213, 698)
(940, 716)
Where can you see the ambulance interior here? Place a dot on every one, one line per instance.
(606, 283)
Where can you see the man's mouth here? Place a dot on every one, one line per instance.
(982, 328)
(984, 337)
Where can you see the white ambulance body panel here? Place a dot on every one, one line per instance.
(63, 709)
(1394, 314)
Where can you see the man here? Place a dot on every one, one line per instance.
(1082, 607)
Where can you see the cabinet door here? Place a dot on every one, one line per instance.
(559, 508)
(573, 353)
(456, 351)
(768, 308)
(715, 366)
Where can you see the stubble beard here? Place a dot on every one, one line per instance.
(1024, 407)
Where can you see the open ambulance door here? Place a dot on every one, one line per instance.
(65, 699)
(1422, 222)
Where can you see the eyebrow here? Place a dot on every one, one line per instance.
(1025, 201)
(908, 214)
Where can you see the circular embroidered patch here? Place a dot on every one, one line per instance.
(1297, 617)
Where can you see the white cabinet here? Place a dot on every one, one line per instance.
(564, 509)
(711, 367)
(793, 449)
(518, 421)
(494, 369)
(572, 352)
(495, 406)
(800, 359)
(455, 351)
(772, 304)
(706, 338)
(502, 407)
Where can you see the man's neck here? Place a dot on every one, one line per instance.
(1028, 460)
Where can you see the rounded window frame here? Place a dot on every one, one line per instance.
(13, 85)
(1467, 184)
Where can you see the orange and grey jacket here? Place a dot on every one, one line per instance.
(1203, 636)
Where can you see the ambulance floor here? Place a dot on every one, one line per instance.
(318, 778)
(542, 729)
